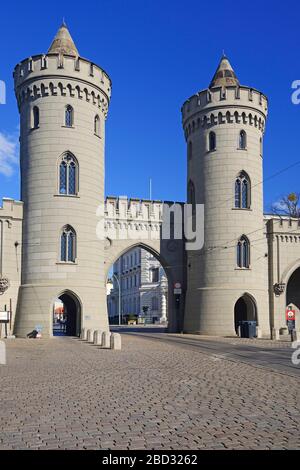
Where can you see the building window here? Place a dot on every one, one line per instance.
(35, 117)
(97, 125)
(154, 303)
(212, 141)
(243, 252)
(242, 191)
(68, 175)
(68, 244)
(154, 275)
(69, 116)
(243, 140)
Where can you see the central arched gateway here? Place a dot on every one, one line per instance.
(171, 260)
(138, 288)
(66, 315)
(139, 223)
(293, 293)
(244, 309)
(293, 289)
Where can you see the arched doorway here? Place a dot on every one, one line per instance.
(293, 292)
(137, 288)
(66, 315)
(245, 309)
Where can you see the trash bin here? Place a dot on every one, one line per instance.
(248, 329)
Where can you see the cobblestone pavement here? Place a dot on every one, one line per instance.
(66, 394)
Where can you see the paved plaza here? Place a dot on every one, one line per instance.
(63, 393)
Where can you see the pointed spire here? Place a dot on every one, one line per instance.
(63, 42)
(224, 75)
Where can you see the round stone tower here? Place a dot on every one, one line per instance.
(63, 102)
(227, 278)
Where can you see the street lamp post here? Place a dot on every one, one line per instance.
(119, 286)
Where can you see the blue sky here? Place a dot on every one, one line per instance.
(158, 53)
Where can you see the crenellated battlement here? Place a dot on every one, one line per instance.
(11, 209)
(123, 208)
(287, 228)
(134, 218)
(221, 105)
(133, 209)
(55, 74)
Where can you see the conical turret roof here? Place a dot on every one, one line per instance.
(224, 75)
(63, 43)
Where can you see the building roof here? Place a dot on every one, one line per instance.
(63, 43)
(224, 75)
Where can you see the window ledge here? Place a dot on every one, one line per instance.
(76, 196)
(242, 269)
(240, 148)
(34, 128)
(67, 263)
(211, 151)
(242, 209)
(68, 127)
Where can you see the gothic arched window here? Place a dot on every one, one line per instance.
(212, 141)
(243, 252)
(68, 175)
(242, 191)
(97, 125)
(35, 117)
(69, 116)
(68, 244)
(243, 140)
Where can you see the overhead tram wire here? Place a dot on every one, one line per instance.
(211, 249)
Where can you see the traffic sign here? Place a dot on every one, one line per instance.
(177, 285)
(290, 314)
(177, 291)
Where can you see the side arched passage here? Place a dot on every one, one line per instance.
(244, 309)
(67, 315)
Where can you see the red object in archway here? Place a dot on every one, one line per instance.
(290, 314)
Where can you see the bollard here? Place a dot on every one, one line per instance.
(296, 335)
(2, 353)
(98, 337)
(90, 336)
(115, 341)
(83, 334)
(258, 332)
(239, 330)
(106, 339)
